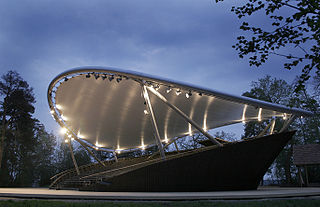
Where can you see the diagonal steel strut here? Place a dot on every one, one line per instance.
(153, 120)
(176, 109)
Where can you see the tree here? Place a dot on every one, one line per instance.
(44, 160)
(271, 90)
(290, 26)
(278, 91)
(16, 124)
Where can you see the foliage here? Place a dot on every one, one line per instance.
(63, 157)
(44, 159)
(278, 91)
(290, 26)
(17, 132)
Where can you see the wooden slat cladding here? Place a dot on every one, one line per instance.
(308, 154)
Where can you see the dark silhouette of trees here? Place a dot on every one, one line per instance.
(278, 91)
(289, 26)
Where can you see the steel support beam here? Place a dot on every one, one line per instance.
(90, 152)
(287, 123)
(115, 156)
(266, 128)
(177, 110)
(153, 121)
(73, 158)
(272, 126)
(175, 144)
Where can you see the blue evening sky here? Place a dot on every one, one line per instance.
(183, 40)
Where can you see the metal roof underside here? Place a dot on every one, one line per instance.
(110, 114)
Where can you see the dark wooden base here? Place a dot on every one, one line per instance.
(235, 166)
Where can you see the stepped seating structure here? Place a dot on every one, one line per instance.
(94, 173)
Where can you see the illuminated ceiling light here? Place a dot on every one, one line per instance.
(157, 87)
(96, 76)
(169, 89)
(63, 130)
(64, 118)
(259, 114)
(284, 116)
(119, 79)
(244, 114)
(178, 92)
(111, 78)
(69, 135)
(301, 117)
(143, 147)
(72, 138)
(98, 145)
(66, 79)
(188, 94)
(88, 75)
(118, 150)
(166, 140)
(58, 106)
(66, 140)
(80, 135)
(52, 112)
(145, 112)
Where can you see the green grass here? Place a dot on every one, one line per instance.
(265, 203)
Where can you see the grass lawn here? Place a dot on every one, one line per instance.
(271, 203)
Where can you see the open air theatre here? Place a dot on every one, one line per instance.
(120, 111)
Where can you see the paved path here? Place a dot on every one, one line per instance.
(261, 193)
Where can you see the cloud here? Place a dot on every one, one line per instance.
(185, 40)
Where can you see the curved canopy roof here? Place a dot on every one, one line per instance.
(106, 107)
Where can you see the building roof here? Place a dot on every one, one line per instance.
(105, 107)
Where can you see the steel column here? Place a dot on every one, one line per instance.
(287, 123)
(272, 126)
(73, 158)
(153, 121)
(194, 124)
(266, 129)
(115, 156)
(175, 144)
(90, 152)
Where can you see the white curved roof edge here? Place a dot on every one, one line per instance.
(182, 85)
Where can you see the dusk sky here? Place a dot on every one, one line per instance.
(183, 40)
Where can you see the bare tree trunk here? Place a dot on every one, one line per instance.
(287, 166)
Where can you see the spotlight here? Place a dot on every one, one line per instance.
(119, 79)
(157, 87)
(111, 78)
(188, 94)
(88, 75)
(63, 130)
(145, 112)
(178, 92)
(169, 89)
